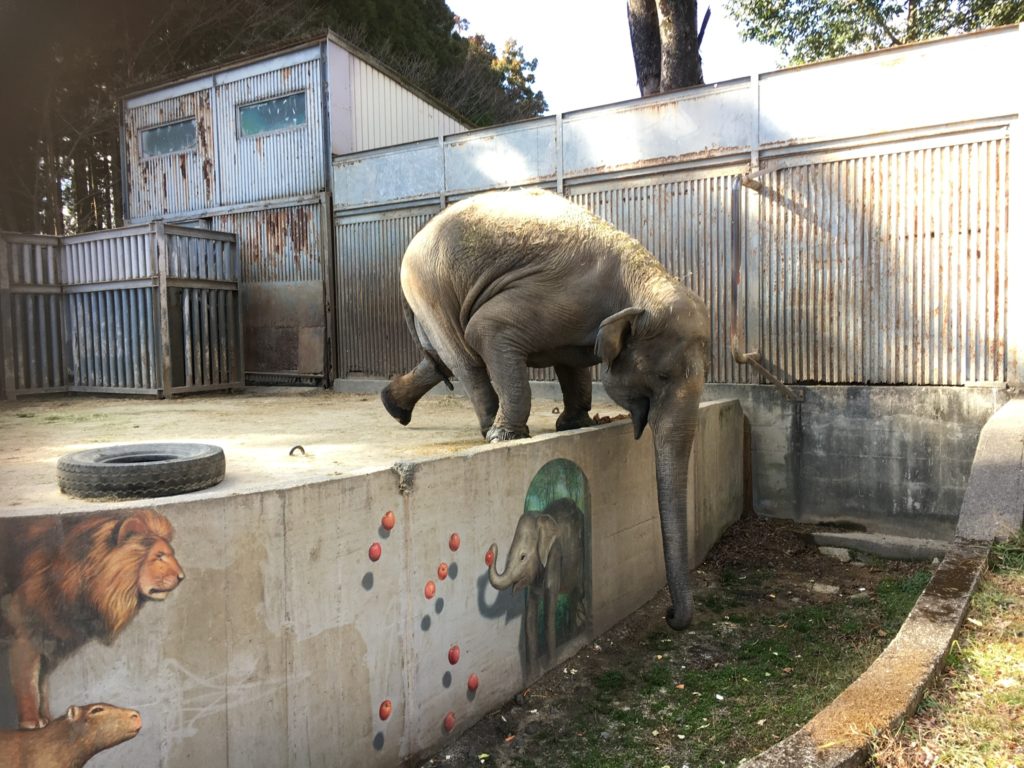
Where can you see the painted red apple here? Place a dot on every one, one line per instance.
(388, 521)
(449, 722)
(453, 654)
(454, 542)
(474, 682)
(375, 551)
(385, 709)
(489, 557)
(442, 571)
(430, 590)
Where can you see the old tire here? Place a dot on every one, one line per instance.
(142, 470)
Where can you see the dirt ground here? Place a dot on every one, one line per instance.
(257, 429)
(728, 608)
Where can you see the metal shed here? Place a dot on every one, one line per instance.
(247, 148)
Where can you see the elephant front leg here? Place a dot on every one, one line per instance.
(481, 394)
(576, 387)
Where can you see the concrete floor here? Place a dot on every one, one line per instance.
(341, 434)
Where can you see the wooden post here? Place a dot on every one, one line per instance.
(6, 322)
(163, 319)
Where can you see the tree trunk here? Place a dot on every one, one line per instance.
(680, 54)
(666, 46)
(646, 42)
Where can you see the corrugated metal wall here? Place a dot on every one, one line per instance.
(176, 183)
(282, 252)
(888, 268)
(286, 163)
(852, 244)
(373, 334)
(385, 113)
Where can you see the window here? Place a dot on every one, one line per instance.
(273, 115)
(170, 138)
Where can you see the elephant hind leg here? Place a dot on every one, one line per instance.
(403, 392)
(576, 396)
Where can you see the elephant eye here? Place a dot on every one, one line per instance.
(522, 556)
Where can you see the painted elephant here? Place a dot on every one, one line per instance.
(507, 280)
(546, 555)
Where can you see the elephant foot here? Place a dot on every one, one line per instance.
(402, 415)
(573, 421)
(498, 434)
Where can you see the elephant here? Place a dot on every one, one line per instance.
(505, 280)
(546, 555)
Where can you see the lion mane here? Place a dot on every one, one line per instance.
(74, 581)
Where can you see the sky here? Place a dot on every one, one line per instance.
(582, 47)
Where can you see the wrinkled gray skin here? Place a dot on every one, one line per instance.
(546, 555)
(507, 280)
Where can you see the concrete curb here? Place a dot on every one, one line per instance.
(890, 690)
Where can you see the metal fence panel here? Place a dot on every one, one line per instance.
(85, 313)
(31, 313)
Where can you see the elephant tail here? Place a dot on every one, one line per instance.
(420, 335)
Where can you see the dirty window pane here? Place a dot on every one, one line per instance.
(170, 138)
(273, 114)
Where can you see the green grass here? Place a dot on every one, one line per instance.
(668, 707)
(972, 717)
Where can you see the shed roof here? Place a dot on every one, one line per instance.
(287, 47)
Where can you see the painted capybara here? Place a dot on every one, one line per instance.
(69, 741)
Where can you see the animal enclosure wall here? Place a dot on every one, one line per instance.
(849, 220)
(304, 609)
(140, 310)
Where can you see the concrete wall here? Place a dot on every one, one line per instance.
(284, 639)
(891, 460)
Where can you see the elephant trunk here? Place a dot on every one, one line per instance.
(499, 581)
(673, 427)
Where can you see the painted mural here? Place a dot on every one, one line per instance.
(63, 583)
(549, 558)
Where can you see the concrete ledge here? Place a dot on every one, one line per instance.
(881, 545)
(890, 690)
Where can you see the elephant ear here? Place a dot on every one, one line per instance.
(612, 333)
(547, 537)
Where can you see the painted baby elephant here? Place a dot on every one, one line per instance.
(546, 555)
(507, 280)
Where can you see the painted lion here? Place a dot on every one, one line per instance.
(70, 582)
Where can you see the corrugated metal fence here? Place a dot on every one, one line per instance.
(142, 310)
(849, 221)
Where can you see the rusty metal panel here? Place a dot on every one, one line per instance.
(374, 339)
(281, 253)
(888, 268)
(172, 183)
(282, 163)
(31, 315)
